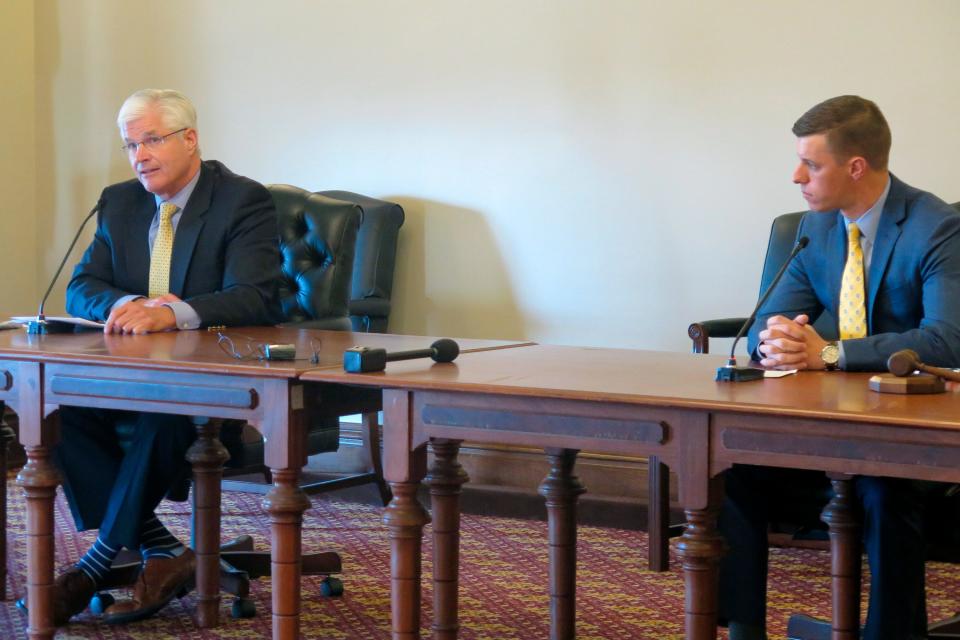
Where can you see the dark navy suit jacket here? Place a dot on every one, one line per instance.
(913, 301)
(226, 256)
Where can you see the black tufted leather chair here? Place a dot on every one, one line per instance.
(325, 238)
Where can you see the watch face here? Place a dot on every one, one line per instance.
(830, 354)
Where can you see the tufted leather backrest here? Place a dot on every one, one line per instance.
(318, 237)
(373, 265)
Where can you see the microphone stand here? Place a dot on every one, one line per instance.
(730, 372)
(40, 325)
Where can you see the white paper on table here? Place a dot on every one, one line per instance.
(778, 374)
(80, 322)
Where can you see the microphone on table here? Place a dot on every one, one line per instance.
(906, 361)
(40, 324)
(730, 372)
(367, 359)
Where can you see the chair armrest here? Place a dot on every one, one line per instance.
(378, 307)
(701, 332)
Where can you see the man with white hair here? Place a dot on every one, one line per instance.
(187, 244)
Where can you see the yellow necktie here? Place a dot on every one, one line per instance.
(162, 250)
(853, 310)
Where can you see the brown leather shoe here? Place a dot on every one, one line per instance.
(159, 582)
(72, 591)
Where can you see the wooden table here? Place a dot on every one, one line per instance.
(565, 399)
(181, 373)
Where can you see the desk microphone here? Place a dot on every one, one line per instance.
(730, 372)
(906, 361)
(366, 359)
(40, 324)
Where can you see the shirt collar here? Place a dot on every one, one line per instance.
(868, 222)
(181, 198)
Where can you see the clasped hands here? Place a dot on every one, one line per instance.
(143, 315)
(790, 344)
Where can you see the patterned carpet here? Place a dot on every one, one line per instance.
(503, 585)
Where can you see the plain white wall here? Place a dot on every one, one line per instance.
(596, 173)
(18, 224)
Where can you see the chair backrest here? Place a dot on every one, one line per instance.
(318, 239)
(373, 266)
(783, 236)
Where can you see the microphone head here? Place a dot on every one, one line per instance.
(803, 242)
(903, 363)
(445, 350)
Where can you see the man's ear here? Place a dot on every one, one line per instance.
(190, 137)
(857, 166)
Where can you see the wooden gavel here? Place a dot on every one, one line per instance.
(905, 362)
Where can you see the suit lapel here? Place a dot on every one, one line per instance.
(138, 252)
(188, 230)
(888, 231)
(837, 255)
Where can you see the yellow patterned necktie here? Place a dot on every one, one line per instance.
(853, 310)
(162, 250)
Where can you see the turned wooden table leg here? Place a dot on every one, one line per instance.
(405, 518)
(841, 517)
(445, 478)
(561, 489)
(39, 479)
(207, 456)
(701, 548)
(6, 437)
(286, 503)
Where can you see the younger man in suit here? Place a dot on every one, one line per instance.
(883, 258)
(185, 245)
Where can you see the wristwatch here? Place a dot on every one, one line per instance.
(830, 355)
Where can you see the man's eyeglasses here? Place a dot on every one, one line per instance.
(150, 142)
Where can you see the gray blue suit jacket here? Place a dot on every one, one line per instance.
(226, 255)
(913, 301)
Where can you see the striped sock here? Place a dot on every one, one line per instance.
(96, 562)
(156, 541)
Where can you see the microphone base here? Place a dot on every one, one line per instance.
(41, 327)
(738, 374)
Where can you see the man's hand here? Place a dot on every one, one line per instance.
(141, 316)
(790, 344)
(159, 301)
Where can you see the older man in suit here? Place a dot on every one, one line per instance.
(883, 258)
(185, 245)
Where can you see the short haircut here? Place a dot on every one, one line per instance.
(176, 110)
(853, 126)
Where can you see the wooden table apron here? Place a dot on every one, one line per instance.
(273, 403)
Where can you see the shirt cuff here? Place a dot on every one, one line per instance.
(842, 362)
(186, 317)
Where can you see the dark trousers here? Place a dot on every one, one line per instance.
(114, 486)
(892, 535)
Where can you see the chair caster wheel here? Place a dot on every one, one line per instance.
(331, 587)
(243, 608)
(100, 602)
